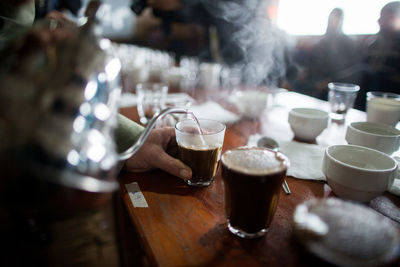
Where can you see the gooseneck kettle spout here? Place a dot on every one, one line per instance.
(142, 138)
(91, 184)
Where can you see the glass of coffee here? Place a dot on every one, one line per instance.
(253, 178)
(200, 148)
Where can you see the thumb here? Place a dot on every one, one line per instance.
(172, 165)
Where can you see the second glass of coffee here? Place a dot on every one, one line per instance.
(253, 178)
(200, 148)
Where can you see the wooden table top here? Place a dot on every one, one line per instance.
(185, 226)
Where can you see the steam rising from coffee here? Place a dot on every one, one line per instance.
(257, 46)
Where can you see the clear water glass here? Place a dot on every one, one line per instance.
(151, 98)
(341, 98)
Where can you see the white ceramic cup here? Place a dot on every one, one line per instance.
(358, 173)
(308, 123)
(383, 107)
(377, 136)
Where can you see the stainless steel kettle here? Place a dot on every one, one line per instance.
(59, 96)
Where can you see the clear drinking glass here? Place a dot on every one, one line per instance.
(341, 98)
(151, 97)
(201, 152)
(175, 100)
(383, 107)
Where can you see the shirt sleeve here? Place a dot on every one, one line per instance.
(126, 133)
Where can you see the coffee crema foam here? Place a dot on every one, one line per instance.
(254, 161)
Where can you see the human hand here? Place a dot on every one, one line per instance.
(165, 5)
(156, 153)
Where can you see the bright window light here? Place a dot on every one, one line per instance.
(310, 17)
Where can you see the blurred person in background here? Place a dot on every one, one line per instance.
(382, 56)
(174, 26)
(333, 59)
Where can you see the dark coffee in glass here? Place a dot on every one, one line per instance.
(203, 162)
(200, 147)
(253, 179)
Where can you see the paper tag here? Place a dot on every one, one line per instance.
(136, 196)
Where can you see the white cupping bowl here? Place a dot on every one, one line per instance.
(358, 173)
(308, 123)
(251, 103)
(377, 136)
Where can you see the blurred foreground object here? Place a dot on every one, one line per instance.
(59, 102)
(57, 119)
(345, 233)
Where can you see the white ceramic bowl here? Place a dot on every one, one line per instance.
(377, 136)
(358, 173)
(251, 103)
(308, 123)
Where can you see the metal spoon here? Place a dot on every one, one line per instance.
(273, 145)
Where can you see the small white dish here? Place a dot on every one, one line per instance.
(358, 173)
(308, 123)
(377, 136)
